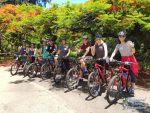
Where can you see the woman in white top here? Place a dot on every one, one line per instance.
(127, 50)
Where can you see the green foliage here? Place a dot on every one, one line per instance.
(34, 23)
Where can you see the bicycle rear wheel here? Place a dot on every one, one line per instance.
(32, 70)
(14, 68)
(72, 78)
(57, 74)
(25, 67)
(129, 84)
(113, 91)
(45, 71)
(94, 84)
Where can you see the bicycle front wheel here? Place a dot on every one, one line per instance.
(113, 90)
(94, 84)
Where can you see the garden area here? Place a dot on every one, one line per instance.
(108, 17)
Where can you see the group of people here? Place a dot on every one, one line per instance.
(99, 50)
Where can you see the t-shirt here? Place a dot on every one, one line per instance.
(31, 51)
(84, 47)
(99, 51)
(50, 48)
(63, 50)
(23, 50)
(124, 49)
(45, 53)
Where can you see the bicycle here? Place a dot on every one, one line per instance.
(34, 68)
(98, 77)
(29, 60)
(17, 64)
(73, 75)
(60, 71)
(47, 68)
(119, 82)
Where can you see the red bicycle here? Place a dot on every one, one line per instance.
(121, 81)
(98, 77)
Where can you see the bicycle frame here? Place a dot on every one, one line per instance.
(121, 70)
(98, 66)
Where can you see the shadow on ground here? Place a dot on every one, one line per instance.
(21, 81)
(137, 105)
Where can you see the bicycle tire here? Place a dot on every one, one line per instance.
(109, 92)
(94, 92)
(11, 69)
(70, 80)
(33, 73)
(45, 71)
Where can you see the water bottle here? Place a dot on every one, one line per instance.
(125, 75)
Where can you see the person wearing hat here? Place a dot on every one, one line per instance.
(100, 48)
(22, 50)
(86, 53)
(32, 52)
(63, 53)
(52, 48)
(127, 50)
(84, 45)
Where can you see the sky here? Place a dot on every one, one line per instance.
(47, 5)
(71, 1)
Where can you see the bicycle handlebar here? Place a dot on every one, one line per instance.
(122, 63)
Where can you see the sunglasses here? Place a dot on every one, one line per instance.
(121, 36)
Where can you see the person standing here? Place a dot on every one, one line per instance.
(127, 51)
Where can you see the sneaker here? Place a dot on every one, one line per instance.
(131, 93)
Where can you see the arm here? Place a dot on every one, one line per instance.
(93, 50)
(41, 51)
(114, 53)
(131, 46)
(68, 53)
(34, 52)
(27, 51)
(55, 49)
(86, 52)
(105, 50)
(58, 52)
(133, 50)
(19, 48)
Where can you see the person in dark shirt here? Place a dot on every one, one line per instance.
(63, 53)
(22, 50)
(32, 52)
(52, 48)
(99, 50)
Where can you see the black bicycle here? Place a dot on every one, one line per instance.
(74, 74)
(60, 70)
(17, 64)
(34, 68)
(47, 68)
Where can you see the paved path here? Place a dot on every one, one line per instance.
(21, 95)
